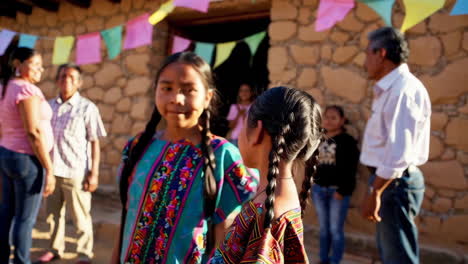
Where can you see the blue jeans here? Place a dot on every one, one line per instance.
(397, 234)
(331, 215)
(22, 180)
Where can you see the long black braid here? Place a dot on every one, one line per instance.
(210, 191)
(292, 119)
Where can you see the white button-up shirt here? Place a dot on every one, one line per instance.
(75, 123)
(398, 131)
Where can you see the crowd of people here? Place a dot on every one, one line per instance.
(190, 196)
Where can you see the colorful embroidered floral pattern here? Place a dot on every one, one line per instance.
(162, 203)
(165, 223)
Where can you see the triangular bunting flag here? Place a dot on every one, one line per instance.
(383, 8)
(113, 39)
(418, 10)
(62, 49)
(460, 8)
(88, 48)
(200, 5)
(6, 36)
(223, 51)
(138, 32)
(179, 44)
(28, 41)
(330, 12)
(204, 50)
(164, 10)
(254, 41)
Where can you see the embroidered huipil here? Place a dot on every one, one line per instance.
(247, 241)
(165, 221)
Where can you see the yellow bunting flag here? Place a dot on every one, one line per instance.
(62, 49)
(418, 10)
(223, 51)
(162, 12)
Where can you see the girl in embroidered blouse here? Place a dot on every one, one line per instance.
(282, 127)
(179, 186)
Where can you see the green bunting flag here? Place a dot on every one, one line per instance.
(223, 51)
(381, 7)
(204, 50)
(254, 41)
(113, 39)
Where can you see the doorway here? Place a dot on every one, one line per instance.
(241, 67)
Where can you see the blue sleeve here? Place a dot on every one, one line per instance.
(237, 183)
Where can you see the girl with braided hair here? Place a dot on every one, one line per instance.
(282, 128)
(179, 186)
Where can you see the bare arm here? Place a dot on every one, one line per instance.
(91, 182)
(30, 116)
(371, 204)
(221, 228)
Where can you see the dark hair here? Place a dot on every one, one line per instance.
(293, 119)
(252, 91)
(340, 112)
(68, 66)
(22, 54)
(210, 188)
(393, 41)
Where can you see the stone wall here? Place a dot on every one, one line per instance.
(121, 87)
(329, 65)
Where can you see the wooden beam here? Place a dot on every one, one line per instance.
(115, 1)
(218, 19)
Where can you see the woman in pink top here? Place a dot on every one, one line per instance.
(25, 143)
(238, 112)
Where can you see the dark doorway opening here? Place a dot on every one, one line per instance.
(241, 67)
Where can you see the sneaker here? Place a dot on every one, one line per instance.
(47, 257)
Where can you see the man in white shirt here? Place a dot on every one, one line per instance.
(396, 141)
(77, 127)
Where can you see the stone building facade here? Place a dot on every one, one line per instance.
(328, 65)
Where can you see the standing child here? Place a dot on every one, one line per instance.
(182, 183)
(238, 112)
(282, 127)
(335, 182)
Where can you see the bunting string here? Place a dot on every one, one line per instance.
(139, 31)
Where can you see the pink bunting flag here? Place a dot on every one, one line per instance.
(179, 44)
(88, 48)
(332, 11)
(200, 5)
(138, 32)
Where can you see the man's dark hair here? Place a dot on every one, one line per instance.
(393, 41)
(68, 66)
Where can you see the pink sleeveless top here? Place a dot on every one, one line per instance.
(13, 134)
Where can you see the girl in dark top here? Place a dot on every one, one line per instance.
(334, 184)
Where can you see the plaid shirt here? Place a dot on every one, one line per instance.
(75, 123)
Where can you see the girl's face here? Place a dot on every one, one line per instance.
(332, 121)
(31, 69)
(245, 93)
(181, 95)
